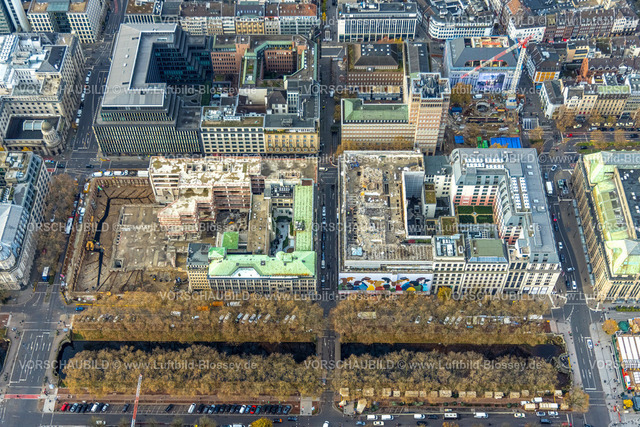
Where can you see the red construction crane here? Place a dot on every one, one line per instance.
(522, 44)
(135, 404)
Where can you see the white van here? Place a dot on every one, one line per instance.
(372, 417)
(419, 416)
(192, 408)
(386, 417)
(480, 415)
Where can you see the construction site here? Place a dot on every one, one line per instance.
(135, 232)
(119, 246)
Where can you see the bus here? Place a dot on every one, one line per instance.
(450, 416)
(45, 274)
(67, 230)
(549, 188)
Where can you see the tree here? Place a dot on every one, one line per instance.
(636, 118)
(578, 400)
(611, 120)
(177, 422)
(536, 134)
(206, 422)
(610, 326)
(596, 119)
(450, 424)
(565, 119)
(444, 294)
(461, 94)
(619, 136)
(597, 136)
(262, 422)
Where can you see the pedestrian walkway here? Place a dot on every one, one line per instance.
(563, 328)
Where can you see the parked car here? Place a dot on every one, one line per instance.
(590, 345)
(540, 414)
(552, 413)
(554, 167)
(168, 408)
(286, 409)
(64, 407)
(125, 408)
(519, 415)
(105, 408)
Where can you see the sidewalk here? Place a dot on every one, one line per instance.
(561, 327)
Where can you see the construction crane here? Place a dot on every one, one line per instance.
(135, 404)
(484, 63)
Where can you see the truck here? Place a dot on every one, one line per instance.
(67, 229)
(549, 188)
(45, 274)
(143, 173)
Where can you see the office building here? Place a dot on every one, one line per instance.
(416, 122)
(83, 18)
(17, 15)
(40, 85)
(140, 113)
(606, 189)
(463, 55)
(466, 223)
(24, 184)
(367, 22)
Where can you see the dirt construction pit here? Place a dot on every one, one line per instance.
(130, 250)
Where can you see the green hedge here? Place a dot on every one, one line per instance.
(465, 209)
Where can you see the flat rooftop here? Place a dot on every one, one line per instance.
(465, 52)
(241, 266)
(373, 207)
(126, 84)
(354, 110)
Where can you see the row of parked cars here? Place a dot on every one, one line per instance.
(236, 409)
(80, 408)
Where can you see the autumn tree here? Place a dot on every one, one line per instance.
(57, 208)
(565, 120)
(578, 400)
(611, 120)
(206, 422)
(610, 326)
(619, 136)
(461, 94)
(444, 294)
(598, 138)
(536, 134)
(636, 118)
(596, 119)
(262, 422)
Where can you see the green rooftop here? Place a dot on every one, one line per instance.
(298, 263)
(230, 240)
(303, 217)
(355, 111)
(487, 250)
(621, 246)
